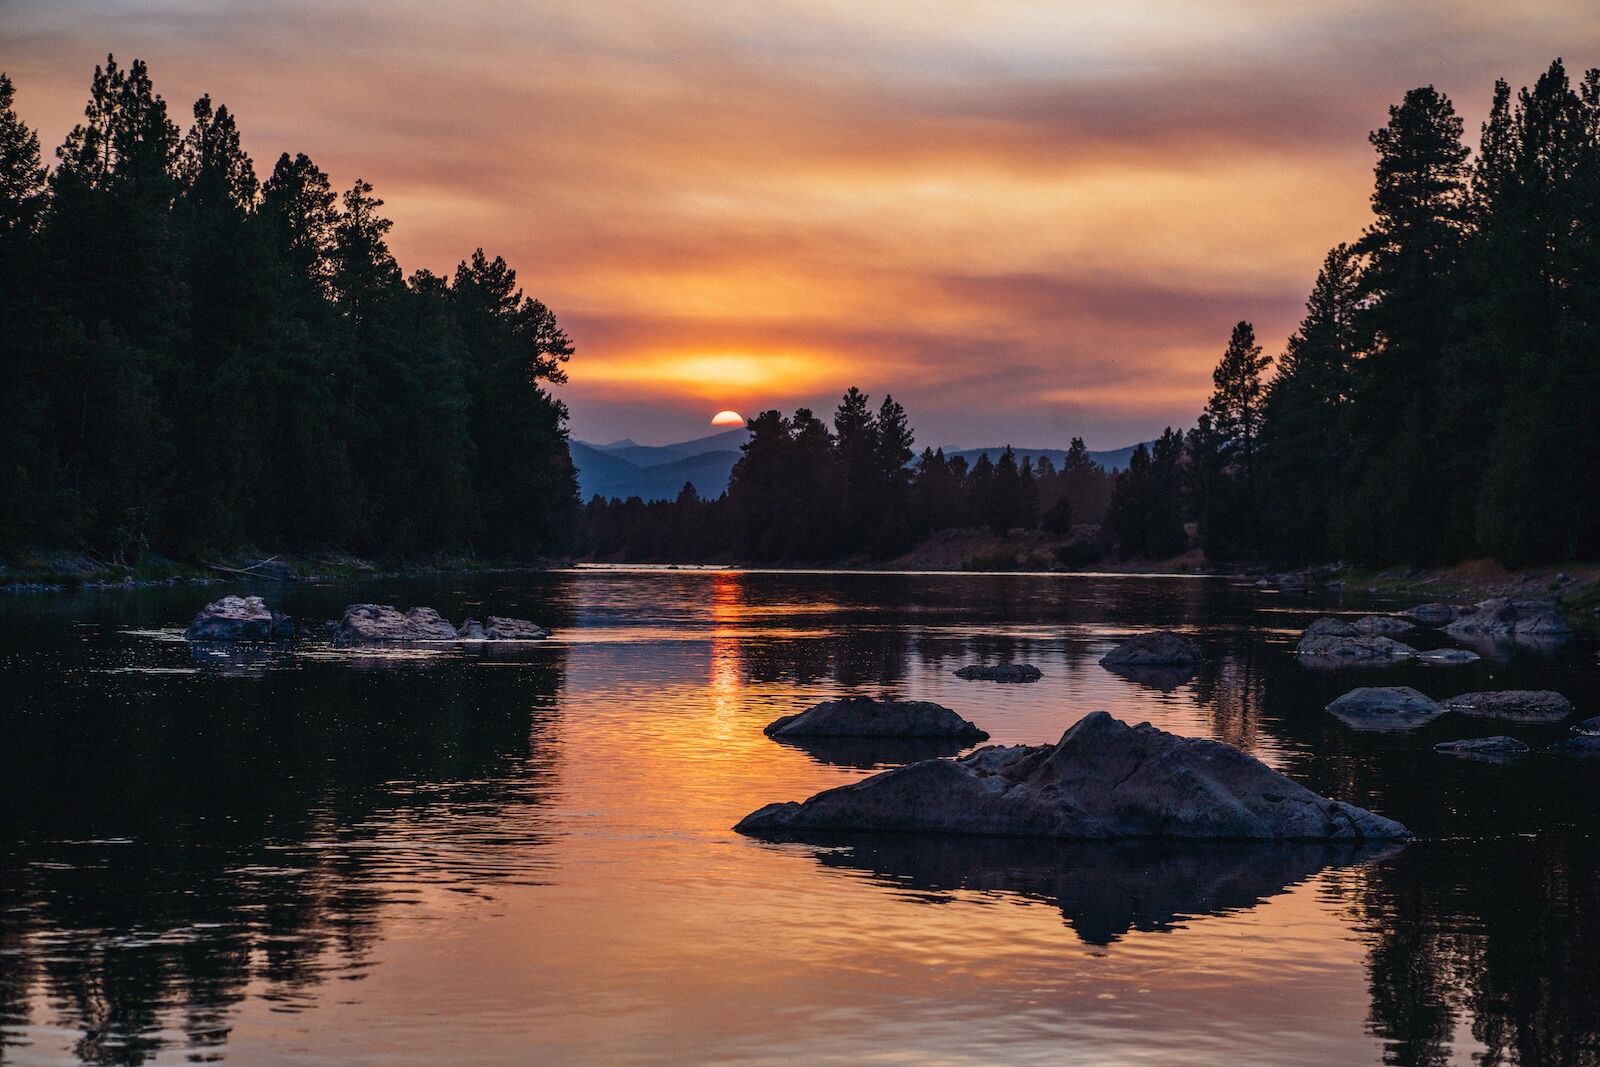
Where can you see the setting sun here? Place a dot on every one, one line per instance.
(726, 417)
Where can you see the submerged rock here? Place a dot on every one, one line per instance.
(1384, 625)
(239, 618)
(1159, 648)
(1000, 672)
(1514, 705)
(1336, 643)
(1390, 707)
(367, 624)
(1484, 749)
(1506, 616)
(1431, 614)
(1447, 657)
(865, 717)
(1104, 779)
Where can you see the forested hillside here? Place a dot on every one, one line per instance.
(196, 360)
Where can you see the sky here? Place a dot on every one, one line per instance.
(1026, 220)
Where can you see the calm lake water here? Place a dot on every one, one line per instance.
(525, 856)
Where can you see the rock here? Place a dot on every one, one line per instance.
(501, 629)
(1484, 749)
(367, 624)
(239, 618)
(865, 717)
(1447, 657)
(1332, 643)
(1589, 726)
(1000, 672)
(1431, 614)
(1581, 745)
(1159, 648)
(1514, 705)
(1393, 707)
(1104, 779)
(1385, 625)
(1504, 616)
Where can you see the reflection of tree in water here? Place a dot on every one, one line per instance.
(1502, 935)
(168, 844)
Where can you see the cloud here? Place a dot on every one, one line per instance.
(1031, 215)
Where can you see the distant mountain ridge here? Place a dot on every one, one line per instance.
(626, 468)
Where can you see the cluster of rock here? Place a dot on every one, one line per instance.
(1506, 617)
(1331, 642)
(1103, 780)
(239, 618)
(245, 619)
(1393, 708)
(1000, 672)
(1329, 576)
(866, 717)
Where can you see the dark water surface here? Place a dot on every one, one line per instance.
(525, 856)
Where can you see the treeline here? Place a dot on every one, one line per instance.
(1441, 399)
(805, 491)
(194, 360)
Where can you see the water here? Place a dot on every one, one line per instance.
(525, 856)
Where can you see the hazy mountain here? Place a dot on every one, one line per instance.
(626, 468)
(657, 472)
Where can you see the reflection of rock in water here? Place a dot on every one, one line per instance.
(1165, 679)
(1104, 889)
(168, 843)
(872, 752)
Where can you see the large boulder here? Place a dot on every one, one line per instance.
(1104, 779)
(1330, 642)
(239, 618)
(376, 624)
(866, 717)
(1508, 616)
(1385, 707)
(1000, 672)
(1483, 749)
(501, 629)
(1513, 705)
(1159, 648)
(1431, 614)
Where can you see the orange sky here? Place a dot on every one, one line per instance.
(1028, 220)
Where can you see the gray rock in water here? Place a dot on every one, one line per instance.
(239, 618)
(1392, 707)
(1159, 648)
(1484, 749)
(866, 717)
(1513, 705)
(1335, 643)
(1103, 780)
(1506, 616)
(1431, 614)
(1000, 672)
(1385, 625)
(1447, 657)
(1582, 745)
(1588, 726)
(502, 629)
(371, 624)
